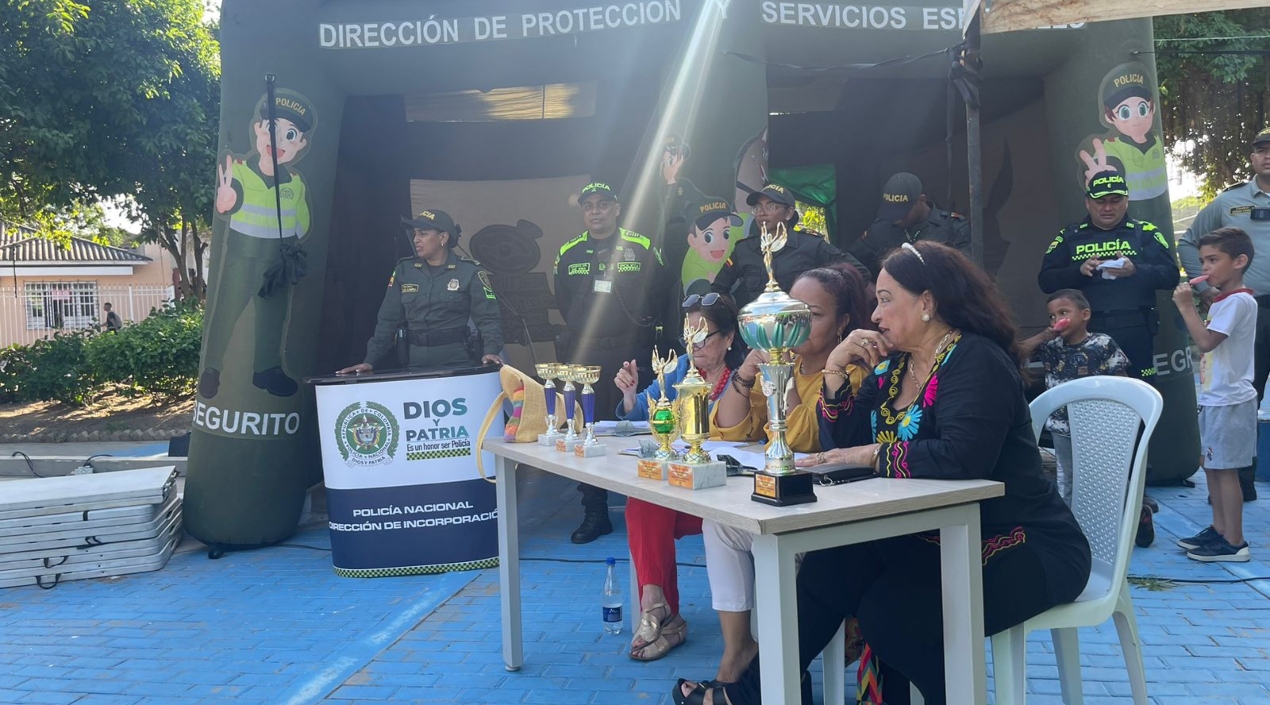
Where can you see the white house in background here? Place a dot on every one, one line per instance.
(46, 287)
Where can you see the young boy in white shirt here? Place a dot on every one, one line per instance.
(1227, 399)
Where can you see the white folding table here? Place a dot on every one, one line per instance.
(845, 514)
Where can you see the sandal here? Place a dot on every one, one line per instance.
(698, 694)
(669, 636)
(650, 625)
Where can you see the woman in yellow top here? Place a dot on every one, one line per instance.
(835, 295)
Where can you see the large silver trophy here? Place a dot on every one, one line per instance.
(776, 322)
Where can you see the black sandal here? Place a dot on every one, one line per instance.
(698, 694)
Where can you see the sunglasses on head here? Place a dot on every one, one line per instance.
(708, 300)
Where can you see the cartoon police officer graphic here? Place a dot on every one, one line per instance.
(252, 198)
(1129, 106)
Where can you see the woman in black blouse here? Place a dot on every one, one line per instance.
(945, 401)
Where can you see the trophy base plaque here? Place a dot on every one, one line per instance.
(549, 439)
(583, 450)
(651, 468)
(697, 476)
(565, 445)
(784, 490)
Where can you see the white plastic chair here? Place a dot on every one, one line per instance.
(1110, 462)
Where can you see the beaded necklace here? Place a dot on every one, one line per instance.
(941, 351)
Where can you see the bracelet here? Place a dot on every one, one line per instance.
(877, 454)
(839, 373)
(740, 386)
(748, 384)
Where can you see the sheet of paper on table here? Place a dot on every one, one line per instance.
(712, 447)
(609, 428)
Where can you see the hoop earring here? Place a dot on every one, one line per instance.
(925, 317)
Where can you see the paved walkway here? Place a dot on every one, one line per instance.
(276, 626)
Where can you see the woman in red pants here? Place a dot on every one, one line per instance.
(652, 530)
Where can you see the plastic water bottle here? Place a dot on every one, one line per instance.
(611, 601)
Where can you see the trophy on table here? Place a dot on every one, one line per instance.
(549, 371)
(695, 470)
(662, 422)
(588, 375)
(565, 443)
(776, 322)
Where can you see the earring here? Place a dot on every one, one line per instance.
(925, 317)
(729, 348)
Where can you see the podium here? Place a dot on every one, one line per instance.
(403, 493)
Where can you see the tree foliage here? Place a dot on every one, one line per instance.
(1217, 101)
(102, 98)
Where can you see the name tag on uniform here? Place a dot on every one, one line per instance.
(603, 286)
(409, 288)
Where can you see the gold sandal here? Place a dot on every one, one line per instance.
(657, 638)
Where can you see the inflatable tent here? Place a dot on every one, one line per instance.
(499, 111)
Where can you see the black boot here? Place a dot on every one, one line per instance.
(1146, 529)
(1247, 481)
(275, 381)
(594, 525)
(209, 383)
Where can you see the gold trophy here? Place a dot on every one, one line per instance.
(565, 443)
(696, 470)
(662, 421)
(588, 375)
(549, 371)
(775, 322)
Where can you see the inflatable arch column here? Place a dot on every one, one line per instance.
(253, 451)
(1107, 61)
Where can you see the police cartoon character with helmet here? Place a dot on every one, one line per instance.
(435, 293)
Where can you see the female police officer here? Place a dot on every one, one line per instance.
(435, 293)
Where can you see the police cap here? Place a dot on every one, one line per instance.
(292, 107)
(703, 213)
(898, 196)
(776, 192)
(1107, 183)
(1261, 137)
(1124, 85)
(597, 187)
(433, 219)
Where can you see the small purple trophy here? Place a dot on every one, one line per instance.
(548, 371)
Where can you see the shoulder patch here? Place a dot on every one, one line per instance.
(1054, 245)
(469, 260)
(572, 243)
(1232, 187)
(636, 238)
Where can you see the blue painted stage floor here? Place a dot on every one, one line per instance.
(277, 626)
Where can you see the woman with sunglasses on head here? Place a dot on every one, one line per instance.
(835, 295)
(945, 402)
(652, 530)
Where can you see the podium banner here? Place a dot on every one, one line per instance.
(403, 493)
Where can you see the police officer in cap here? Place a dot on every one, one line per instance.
(744, 275)
(1118, 263)
(610, 282)
(907, 215)
(435, 293)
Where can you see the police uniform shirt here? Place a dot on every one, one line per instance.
(1233, 208)
(744, 275)
(608, 288)
(883, 236)
(1138, 240)
(433, 299)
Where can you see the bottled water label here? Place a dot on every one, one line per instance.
(612, 615)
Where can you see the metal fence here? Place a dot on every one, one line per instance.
(41, 309)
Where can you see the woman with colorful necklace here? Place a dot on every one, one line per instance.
(945, 402)
(651, 530)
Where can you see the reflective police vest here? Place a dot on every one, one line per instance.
(257, 213)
